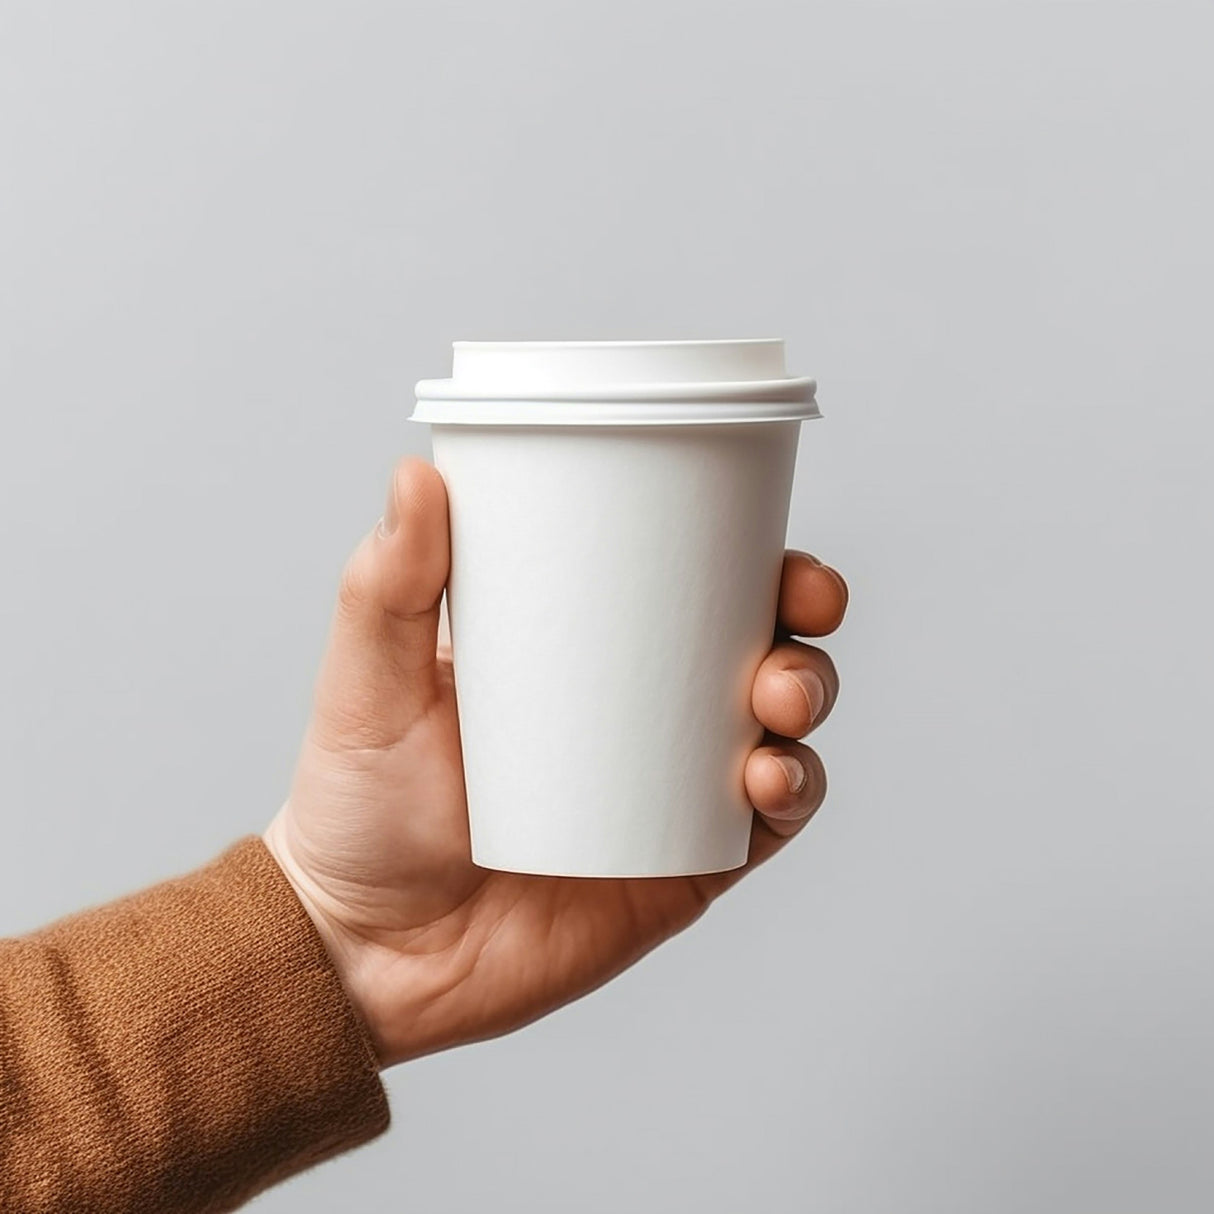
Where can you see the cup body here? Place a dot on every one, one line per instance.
(612, 593)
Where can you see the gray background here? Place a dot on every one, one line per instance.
(232, 235)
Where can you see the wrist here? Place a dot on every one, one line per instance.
(344, 953)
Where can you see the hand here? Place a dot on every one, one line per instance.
(433, 951)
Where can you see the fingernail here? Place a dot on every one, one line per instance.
(794, 773)
(813, 689)
(387, 524)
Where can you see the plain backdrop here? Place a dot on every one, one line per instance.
(232, 235)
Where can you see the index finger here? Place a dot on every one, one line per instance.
(813, 596)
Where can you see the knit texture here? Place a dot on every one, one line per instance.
(178, 1050)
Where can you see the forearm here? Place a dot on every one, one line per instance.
(178, 1050)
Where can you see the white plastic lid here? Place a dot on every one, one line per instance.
(614, 383)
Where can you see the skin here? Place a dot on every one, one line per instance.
(433, 951)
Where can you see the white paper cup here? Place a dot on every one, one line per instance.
(618, 512)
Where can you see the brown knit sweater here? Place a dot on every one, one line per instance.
(179, 1050)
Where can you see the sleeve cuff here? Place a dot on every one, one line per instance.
(206, 1047)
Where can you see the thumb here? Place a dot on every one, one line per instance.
(380, 672)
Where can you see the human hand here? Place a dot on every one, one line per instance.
(434, 951)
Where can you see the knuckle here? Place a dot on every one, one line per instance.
(353, 724)
(352, 590)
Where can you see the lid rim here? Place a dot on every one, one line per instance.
(791, 388)
(523, 413)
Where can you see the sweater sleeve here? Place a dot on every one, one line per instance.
(179, 1050)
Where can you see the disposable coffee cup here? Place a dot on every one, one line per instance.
(618, 516)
